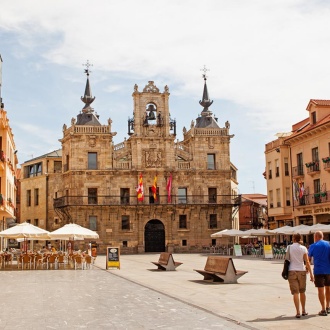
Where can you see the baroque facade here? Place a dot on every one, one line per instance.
(298, 170)
(149, 193)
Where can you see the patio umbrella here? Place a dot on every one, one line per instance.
(228, 233)
(285, 230)
(320, 227)
(25, 231)
(258, 232)
(73, 231)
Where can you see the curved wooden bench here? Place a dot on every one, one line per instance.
(166, 262)
(220, 269)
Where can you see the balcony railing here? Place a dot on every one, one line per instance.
(313, 167)
(314, 198)
(298, 171)
(230, 200)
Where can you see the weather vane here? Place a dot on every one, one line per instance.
(87, 65)
(204, 70)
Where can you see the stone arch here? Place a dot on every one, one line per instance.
(154, 236)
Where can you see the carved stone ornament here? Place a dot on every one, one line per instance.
(151, 88)
(92, 141)
(153, 158)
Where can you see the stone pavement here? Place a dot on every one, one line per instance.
(140, 297)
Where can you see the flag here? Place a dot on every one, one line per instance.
(154, 188)
(169, 188)
(302, 190)
(139, 190)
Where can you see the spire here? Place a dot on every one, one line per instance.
(87, 98)
(206, 100)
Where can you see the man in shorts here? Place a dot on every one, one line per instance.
(320, 252)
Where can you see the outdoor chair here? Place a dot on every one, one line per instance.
(88, 262)
(51, 261)
(78, 260)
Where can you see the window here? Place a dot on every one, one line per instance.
(269, 170)
(315, 154)
(36, 196)
(93, 222)
(92, 161)
(278, 197)
(125, 244)
(33, 170)
(317, 189)
(92, 195)
(313, 115)
(212, 195)
(57, 167)
(28, 198)
(67, 165)
(277, 168)
(271, 197)
(286, 166)
(125, 222)
(36, 222)
(182, 221)
(184, 242)
(287, 196)
(182, 195)
(300, 164)
(211, 161)
(213, 221)
(124, 195)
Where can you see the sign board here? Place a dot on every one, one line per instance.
(238, 250)
(268, 252)
(113, 257)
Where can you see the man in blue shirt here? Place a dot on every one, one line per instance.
(320, 251)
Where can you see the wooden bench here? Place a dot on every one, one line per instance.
(220, 269)
(166, 262)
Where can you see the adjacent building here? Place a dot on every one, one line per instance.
(8, 169)
(298, 170)
(149, 193)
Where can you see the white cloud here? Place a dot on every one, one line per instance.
(266, 58)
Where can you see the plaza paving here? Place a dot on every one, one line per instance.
(138, 296)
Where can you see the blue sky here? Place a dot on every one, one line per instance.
(267, 59)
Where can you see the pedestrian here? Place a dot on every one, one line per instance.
(320, 252)
(299, 263)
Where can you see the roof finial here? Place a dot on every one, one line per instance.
(87, 65)
(205, 70)
(87, 98)
(206, 100)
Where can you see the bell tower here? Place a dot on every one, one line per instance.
(151, 130)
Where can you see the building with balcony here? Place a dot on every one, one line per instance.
(8, 168)
(149, 193)
(302, 158)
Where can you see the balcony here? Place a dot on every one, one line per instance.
(314, 198)
(313, 167)
(228, 200)
(298, 171)
(326, 163)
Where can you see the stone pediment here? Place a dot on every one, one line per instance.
(150, 88)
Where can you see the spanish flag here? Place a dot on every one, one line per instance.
(139, 190)
(169, 188)
(154, 188)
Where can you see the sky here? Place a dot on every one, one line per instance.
(266, 60)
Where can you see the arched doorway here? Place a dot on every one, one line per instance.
(154, 236)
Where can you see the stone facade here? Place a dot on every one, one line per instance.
(187, 194)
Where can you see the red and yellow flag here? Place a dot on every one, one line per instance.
(139, 190)
(154, 188)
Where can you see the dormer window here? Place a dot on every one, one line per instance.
(313, 117)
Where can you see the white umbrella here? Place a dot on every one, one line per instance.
(285, 230)
(228, 233)
(25, 230)
(258, 232)
(73, 231)
(320, 227)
